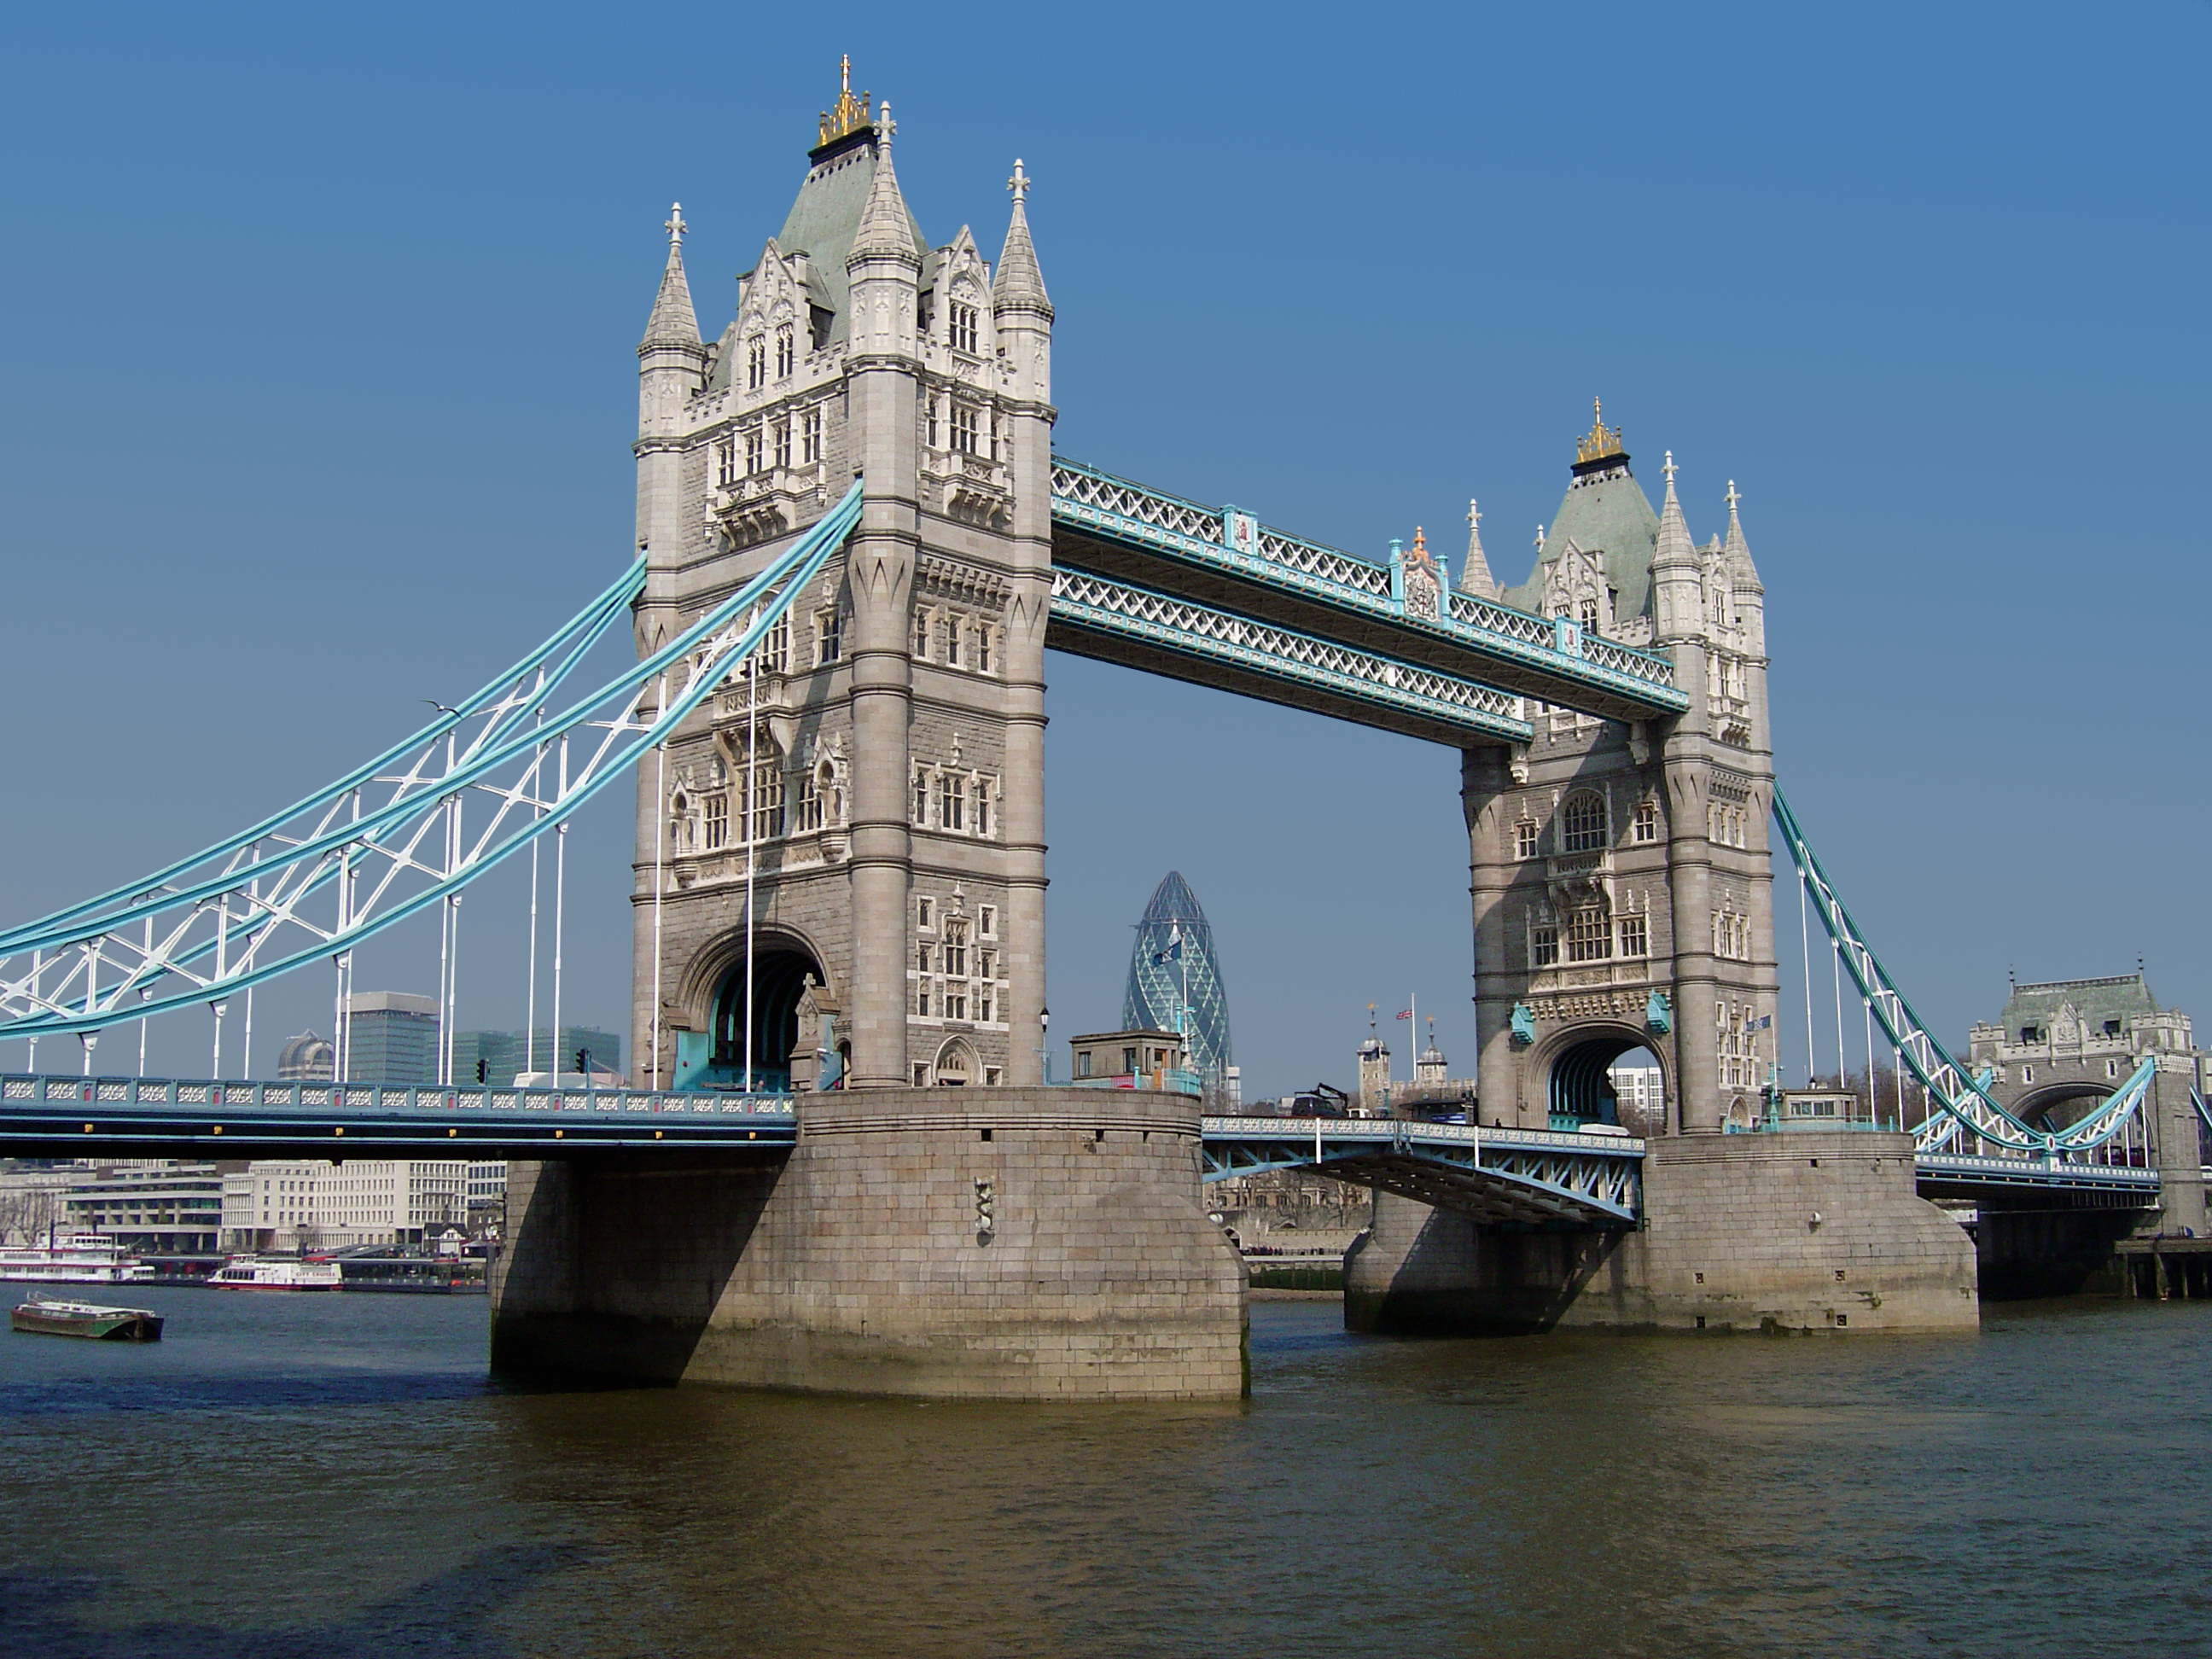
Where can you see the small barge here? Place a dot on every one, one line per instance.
(48, 1317)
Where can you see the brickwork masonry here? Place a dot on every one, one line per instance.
(1003, 1243)
(1794, 1232)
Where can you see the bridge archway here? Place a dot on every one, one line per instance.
(781, 967)
(2060, 1105)
(954, 1067)
(1578, 1085)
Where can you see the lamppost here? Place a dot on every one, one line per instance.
(1044, 1045)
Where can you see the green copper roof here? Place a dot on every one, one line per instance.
(2122, 997)
(827, 212)
(1606, 514)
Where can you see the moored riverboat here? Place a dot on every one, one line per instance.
(258, 1273)
(80, 1258)
(50, 1317)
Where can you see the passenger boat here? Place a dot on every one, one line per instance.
(257, 1273)
(72, 1258)
(47, 1316)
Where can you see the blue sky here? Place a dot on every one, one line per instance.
(316, 360)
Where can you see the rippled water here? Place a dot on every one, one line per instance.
(333, 1476)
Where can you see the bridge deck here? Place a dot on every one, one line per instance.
(1517, 1177)
(80, 1117)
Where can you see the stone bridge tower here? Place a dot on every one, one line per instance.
(859, 813)
(1622, 885)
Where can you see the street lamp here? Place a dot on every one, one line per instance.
(1044, 1046)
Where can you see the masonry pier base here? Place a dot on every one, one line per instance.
(1792, 1231)
(1018, 1243)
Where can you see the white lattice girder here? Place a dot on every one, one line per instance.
(396, 837)
(1115, 610)
(1967, 1119)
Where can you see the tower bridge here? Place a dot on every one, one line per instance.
(854, 544)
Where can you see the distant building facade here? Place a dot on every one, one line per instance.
(392, 1039)
(507, 1055)
(291, 1204)
(307, 1059)
(1640, 1092)
(172, 1209)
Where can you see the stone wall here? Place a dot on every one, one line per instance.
(1799, 1231)
(1005, 1243)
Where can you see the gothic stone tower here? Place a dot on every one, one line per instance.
(1621, 878)
(875, 776)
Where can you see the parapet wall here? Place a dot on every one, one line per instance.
(1008, 1243)
(1796, 1231)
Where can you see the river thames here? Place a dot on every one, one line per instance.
(309, 1476)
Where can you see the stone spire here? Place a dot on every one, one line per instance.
(1474, 575)
(1749, 594)
(1678, 591)
(1019, 281)
(1735, 547)
(673, 322)
(1675, 546)
(886, 230)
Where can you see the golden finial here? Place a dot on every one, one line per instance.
(1602, 441)
(1420, 546)
(851, 114)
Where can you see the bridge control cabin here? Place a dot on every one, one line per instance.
(1823, 1108)
(1145, 1057)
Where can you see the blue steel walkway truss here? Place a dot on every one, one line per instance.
(1225, 559)
(1513, 1177)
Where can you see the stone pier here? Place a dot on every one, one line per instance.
(1792, 1231)
(1016, 1243)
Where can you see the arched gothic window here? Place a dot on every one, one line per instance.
(1583, 823)
(785, 351)
(755, 362)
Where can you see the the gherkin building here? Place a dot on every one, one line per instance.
(1174, 960)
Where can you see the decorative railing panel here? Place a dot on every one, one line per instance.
(1100, 606)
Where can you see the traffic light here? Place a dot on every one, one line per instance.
(584, 1061)
(483, 1069)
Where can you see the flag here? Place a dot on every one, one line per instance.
(1405, 1013)
(1759, 1024)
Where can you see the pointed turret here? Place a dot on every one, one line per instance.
(1737, 549)
(885, 228)
(1018, 282)
(1674, 544)
(1678, 587)
(1743, 578)
(883, 271)
(673, 321)
(1474, 575)
(1020, 307)
(671, 366)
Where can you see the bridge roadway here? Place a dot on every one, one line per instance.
(1523, 1177)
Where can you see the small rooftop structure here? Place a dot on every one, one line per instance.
(1137, 1057)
